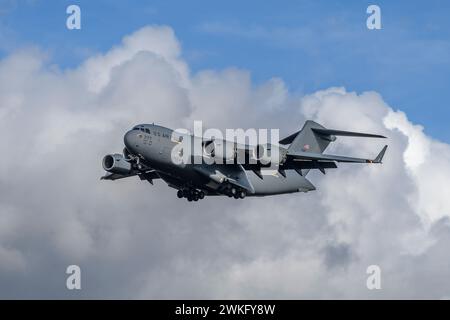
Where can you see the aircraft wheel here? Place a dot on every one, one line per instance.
(233, 191)
(201, 195)
(180, 194)
(189, 198)
(236, 196)
(242, 194)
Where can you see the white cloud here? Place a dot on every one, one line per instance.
(137, 240)
(427, 162)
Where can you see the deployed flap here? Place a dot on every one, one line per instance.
(149, 176)
(308, 164)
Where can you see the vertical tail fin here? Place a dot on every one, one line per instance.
(315, 138)
(308, 140)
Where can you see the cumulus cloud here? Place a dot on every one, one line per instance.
(134, 240)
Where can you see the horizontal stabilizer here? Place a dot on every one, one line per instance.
(330, 132)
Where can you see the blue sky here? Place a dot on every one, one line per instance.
(311, 45)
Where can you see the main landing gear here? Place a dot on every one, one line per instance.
(235, 192)
(191, 194)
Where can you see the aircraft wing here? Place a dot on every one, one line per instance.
(301, 156)
(116, 176)
(148, 175)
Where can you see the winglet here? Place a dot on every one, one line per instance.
(380, 156)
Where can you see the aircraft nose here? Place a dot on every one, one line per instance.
(130, 139)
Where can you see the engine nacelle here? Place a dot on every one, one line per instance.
(220, 149)
(262, 153)
(116, 163)
(268, 154)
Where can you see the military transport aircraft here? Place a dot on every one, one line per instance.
(148, 155)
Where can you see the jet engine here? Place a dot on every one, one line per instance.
(219, 149)
(116, 163)
(262, 153)
(265, 154)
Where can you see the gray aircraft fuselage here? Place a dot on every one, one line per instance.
(152, 152)
(154, 144)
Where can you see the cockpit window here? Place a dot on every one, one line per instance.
(141, 128)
